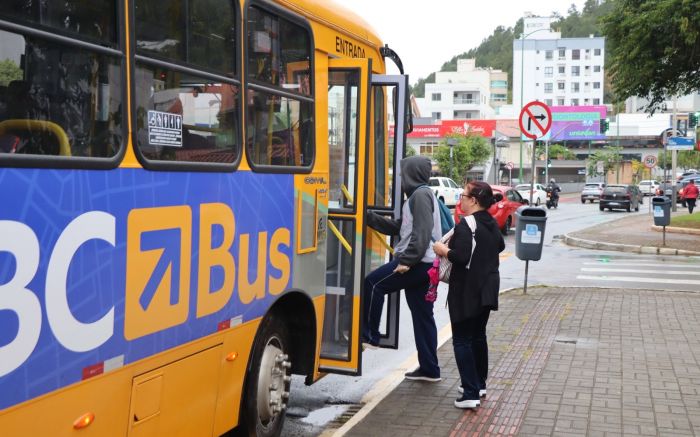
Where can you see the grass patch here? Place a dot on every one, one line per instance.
(687, 221)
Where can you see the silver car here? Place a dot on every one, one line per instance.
(592, 191)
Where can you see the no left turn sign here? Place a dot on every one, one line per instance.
(535, 120)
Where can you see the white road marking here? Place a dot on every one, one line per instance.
(661, 264)
(648, 272)
(644, 280)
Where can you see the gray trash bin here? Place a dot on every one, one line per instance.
(529, 232)
(662, 210)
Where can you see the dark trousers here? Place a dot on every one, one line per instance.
(691, 204)
(383, 281)
(472, 353)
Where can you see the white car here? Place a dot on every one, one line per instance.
(446, 190)
(539, 194)
(648, 187)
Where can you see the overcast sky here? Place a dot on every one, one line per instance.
(427, 33)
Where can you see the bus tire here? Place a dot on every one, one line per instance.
(268, 381)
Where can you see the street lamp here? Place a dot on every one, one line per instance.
(523, 36)
(451, 142)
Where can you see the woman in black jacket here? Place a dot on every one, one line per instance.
(473, 291)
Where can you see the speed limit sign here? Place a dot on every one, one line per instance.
(649, 161)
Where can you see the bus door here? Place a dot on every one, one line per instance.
(348, 132)
(386, 197)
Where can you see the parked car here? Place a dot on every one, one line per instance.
(503, 210)
(446, 190)
(620, 196)
(667, 188)
(539, 195)
(649, 187)
(592, 191)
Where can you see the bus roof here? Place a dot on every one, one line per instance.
(331, 14)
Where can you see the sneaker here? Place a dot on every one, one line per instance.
(467, 403)
(418, 375)
(482, 393)
(370, 346)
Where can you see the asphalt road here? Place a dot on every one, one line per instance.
(314, 408)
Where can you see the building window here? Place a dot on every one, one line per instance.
(562, 70)
(596, 52)
(548, 88)
(560, 102)
(587, 54)
(587, 87)
(587, 70)
(499, 97)
(575, 70)
(548, 55)
(548, 71)
(596, 101)
(561, 85)
(562, 54)
(575, 87)
(574, 102)
(548, 102)
(596, 85)
(596, 68)
(586, 102)
(437, 115)
(499, 84)
(436, 97)
(576, 54)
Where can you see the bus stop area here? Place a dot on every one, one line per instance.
(569, 361)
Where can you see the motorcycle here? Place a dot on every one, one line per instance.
(552, 201)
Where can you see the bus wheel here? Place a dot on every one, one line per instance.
(267, 390)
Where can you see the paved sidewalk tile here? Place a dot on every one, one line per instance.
(567, 362)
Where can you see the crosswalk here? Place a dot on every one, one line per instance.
(682, 274)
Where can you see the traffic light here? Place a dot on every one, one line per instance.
(604, 124)
(693, 119)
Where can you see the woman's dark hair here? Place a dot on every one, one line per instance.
(482, 192)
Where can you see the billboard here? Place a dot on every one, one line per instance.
(576, 123)
(484, 128)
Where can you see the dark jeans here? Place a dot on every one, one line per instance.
(472, 353)
(415, 282)
(691, 204)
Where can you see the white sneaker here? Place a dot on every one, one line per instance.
(467, 403)
(482, 393)
(370, 346)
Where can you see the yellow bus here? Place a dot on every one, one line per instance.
(182, 192)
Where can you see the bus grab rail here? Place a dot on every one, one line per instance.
(29, 125)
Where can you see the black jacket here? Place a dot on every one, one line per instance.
(474, 290)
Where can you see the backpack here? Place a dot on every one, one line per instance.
(446, 222)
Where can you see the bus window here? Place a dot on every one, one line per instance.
(280, 125)
(186, 92)
(343, 100)
(381, 191)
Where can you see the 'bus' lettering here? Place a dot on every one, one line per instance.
(215, 214)
(279, 260)
(19, 240)
(248, 291)
(70, 332)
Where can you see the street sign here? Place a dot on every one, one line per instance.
(680, 143)
(649, 161)
(535, 120)
(510, 166)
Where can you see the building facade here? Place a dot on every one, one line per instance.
(554, 70)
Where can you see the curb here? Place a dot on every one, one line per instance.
(675, 230)
(647, 250)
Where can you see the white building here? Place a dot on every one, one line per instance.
(554, 70)
(468, 93)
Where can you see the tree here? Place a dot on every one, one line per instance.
(610, 157)
(9, 71)
(556, 151)
(686, 159)
(654, 49)
(470, 150)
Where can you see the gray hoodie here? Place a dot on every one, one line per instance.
(419, 224)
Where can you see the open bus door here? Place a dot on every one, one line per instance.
(359, 178)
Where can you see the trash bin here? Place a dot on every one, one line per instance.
(662, 210)
(529, 232)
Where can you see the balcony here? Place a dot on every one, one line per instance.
(465, 101)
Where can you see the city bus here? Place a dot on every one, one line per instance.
(183, 187)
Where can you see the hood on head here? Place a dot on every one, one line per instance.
(415, 171)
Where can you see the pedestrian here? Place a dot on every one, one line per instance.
(690, 194)
(473, 289)
(417, 227)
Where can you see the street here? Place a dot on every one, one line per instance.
(313, 409)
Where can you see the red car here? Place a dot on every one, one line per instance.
(504, 210)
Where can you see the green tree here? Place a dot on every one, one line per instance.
(610, 156)
(556, 151)
(654, 49)
(686, 159)
(470, 150)
(9, 71)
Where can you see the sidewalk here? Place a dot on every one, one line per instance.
(565, 361)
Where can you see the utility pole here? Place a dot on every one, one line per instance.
(674, 160)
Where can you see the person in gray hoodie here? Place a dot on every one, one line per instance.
(417, 228)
